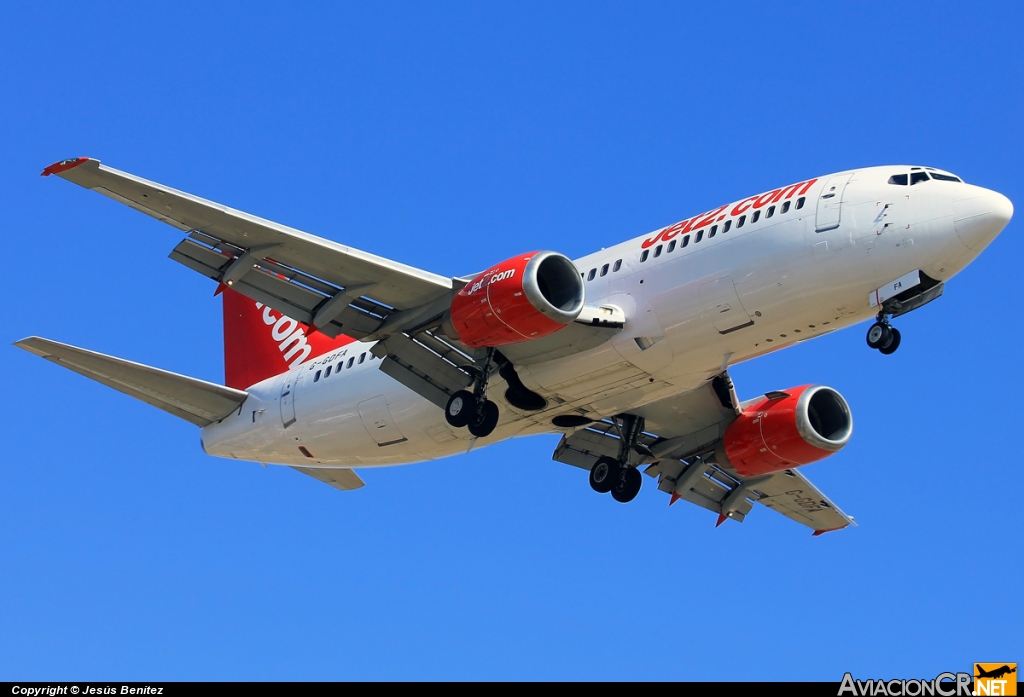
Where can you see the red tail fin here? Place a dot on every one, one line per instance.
(260, 343)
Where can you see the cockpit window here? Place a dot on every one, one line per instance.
(946, 177)
(900, 179)
(918, 177)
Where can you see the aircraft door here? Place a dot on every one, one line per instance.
(288, 389)
(378, 422)
(830, 203)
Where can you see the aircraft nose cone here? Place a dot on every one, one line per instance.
(980, 218)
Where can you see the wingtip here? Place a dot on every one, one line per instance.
(64, 166)
(721, 519)
(29, 344)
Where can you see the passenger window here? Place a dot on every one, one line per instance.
(727, 226)
(327, 373)
(770, 213)
(753, 218)
(618, 265)
(351, 361)
(741, 221)
(918, 177)
(590, 276)
(785, 207)
(686, 241)
(800, 203)
(362, 357)
(604, 270)
(898, 179)
(317, 376)
(700, 234)
(657, 251)
(671, 246)
(643, 257)
(714, 231)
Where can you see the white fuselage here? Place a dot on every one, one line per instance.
(690, 313)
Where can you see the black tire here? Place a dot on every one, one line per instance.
(483, 423)
(894, 343)
(460, 409)
(879, 335)
(604, 474)
(628, 485)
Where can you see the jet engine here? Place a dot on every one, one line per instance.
(787, 429)
(523, 298)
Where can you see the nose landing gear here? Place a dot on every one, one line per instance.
(883, 336)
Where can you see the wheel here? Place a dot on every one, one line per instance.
(894, 343)
(628, 485)
(460, 408)
(482, 424)
(879, 335)
(604, 474)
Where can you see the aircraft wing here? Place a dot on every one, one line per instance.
(337, 288)
(680, 434)
(197, 401)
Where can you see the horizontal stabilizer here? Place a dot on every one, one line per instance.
(343, 479)
(197, 401)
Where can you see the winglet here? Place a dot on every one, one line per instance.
(816, 533)
(721, 519)
(221, 287)
(675, 497)
(63, 166)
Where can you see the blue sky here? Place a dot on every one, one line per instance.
(450, 136)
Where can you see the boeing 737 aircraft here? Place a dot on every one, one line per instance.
(337, 359)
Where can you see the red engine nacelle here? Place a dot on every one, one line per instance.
(523, 298)
(787, 429)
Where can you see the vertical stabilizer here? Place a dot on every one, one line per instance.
(260, 342)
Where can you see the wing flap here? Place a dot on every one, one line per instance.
(196, 401)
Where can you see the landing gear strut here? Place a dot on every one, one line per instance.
(473, 409)
(619, 476)
(883, 336)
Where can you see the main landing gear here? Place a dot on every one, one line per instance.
(617, 476)
(883, 336)
(473, 409)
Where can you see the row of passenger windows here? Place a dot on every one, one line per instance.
(341, 365)
(604, 270)
(918, 175)
(740, 222)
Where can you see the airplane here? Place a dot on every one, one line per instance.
(995, 672)
(337, 359)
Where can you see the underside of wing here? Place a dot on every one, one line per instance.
(677, 442)
(308, 278)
